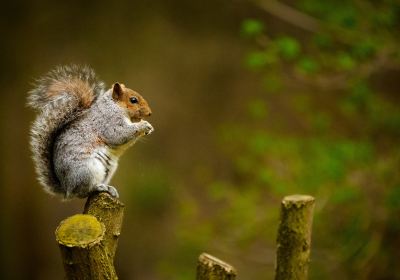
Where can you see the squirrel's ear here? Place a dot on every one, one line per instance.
(117, 91)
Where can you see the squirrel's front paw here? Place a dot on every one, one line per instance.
(106, 188)
(149, 129)
(145, 127)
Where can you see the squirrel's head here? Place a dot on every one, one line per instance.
(131, 101)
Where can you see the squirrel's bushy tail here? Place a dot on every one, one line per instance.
(59, 97)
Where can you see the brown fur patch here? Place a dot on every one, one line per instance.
(99, 141)
(135, 111)
(74, 86)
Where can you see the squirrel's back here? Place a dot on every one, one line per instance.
(59, 97)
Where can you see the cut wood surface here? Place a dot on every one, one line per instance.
(84, 254)
(211, 268)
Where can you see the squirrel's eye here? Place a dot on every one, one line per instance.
(133, 100)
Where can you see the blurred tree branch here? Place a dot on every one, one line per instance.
(339, 81)
(384, 57)
(290, 15)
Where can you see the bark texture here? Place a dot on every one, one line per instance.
(294, 237)
(211, 268)
(110, 212)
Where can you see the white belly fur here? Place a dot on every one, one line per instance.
(103, 164)
(97, 169)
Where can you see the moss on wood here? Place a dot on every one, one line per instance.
(79, 231)
(83, 251)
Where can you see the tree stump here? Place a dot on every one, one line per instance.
(88, 241)
(81, 241)
(211, 268)
(294, 237)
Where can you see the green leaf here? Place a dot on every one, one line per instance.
(307, 65)
(288, 47)
(345, 61)
(252, 27)
(258, 59)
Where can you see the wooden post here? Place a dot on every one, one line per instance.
(110, 212)
(80, 238)
(294, 237)
(88, 241)
(211, 268)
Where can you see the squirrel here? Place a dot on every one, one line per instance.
(82, 129)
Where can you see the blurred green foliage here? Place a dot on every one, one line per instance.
(335, 136)
(252, 27)
(345, 150)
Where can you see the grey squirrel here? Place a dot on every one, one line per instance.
(82, 129)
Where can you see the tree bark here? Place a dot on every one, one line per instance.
(110, 212)
(211, 268)
(294, 237)
(84, 253)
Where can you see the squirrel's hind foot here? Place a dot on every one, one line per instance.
(106, 188)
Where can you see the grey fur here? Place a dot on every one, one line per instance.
(76, 150)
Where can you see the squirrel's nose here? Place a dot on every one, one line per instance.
(149, 113)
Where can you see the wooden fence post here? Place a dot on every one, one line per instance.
(88, 241)
(294, 237)
(211, 268)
